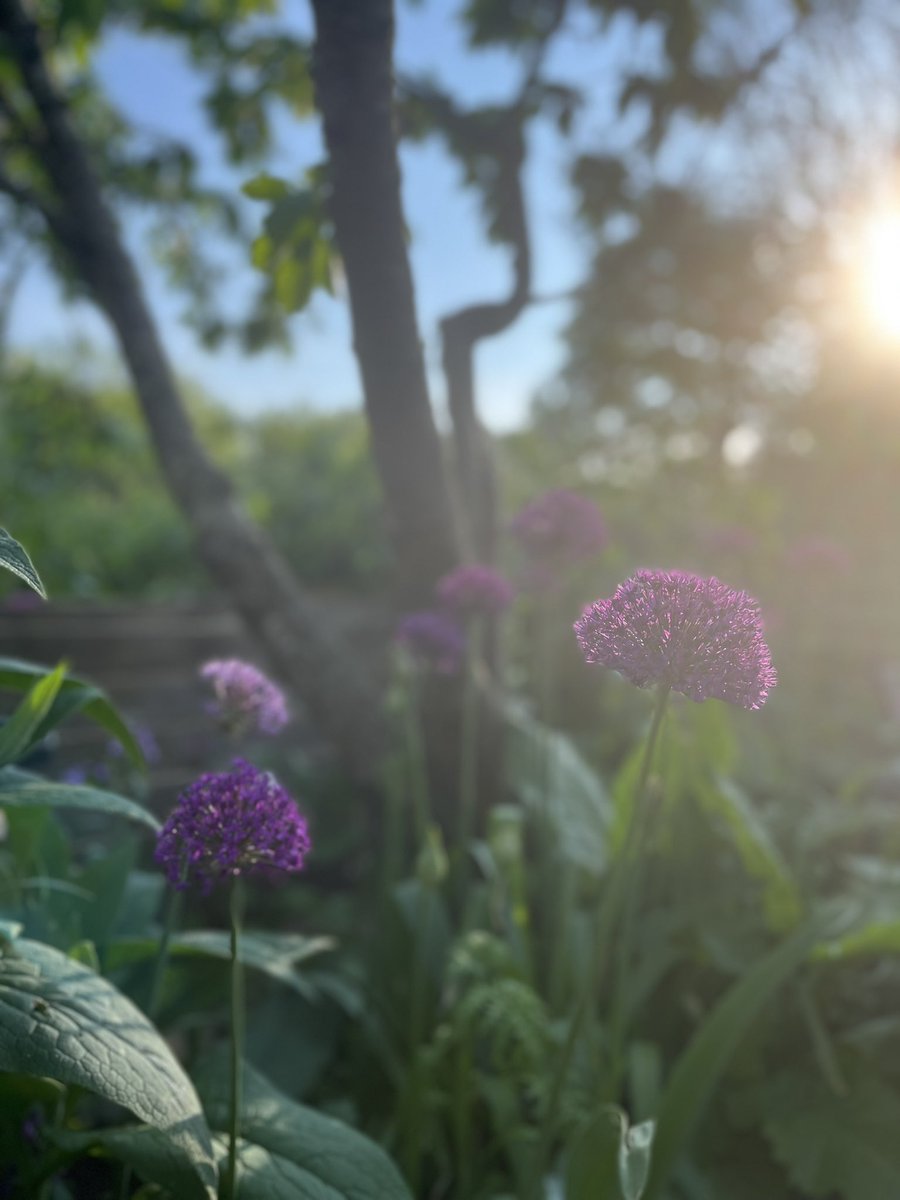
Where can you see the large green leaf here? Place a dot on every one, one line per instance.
(75, 695)
(833, 1145)
(60, 1020)
(275, 954)
(23, 728)
(701, 1066)
(14, 558)
(549, 775)
(290, 1152)
(608, 1158)
(876, 938)
(21, 789)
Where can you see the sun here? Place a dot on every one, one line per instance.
(880, 272)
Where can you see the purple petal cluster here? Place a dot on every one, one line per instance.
(434, 639)
(245, 700)
(232, 824)
(694, 635)
(475, 590)
(560, 527)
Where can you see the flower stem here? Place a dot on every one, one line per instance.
(170, 923)
(237, 1040)
(468, 761)
(615, 900)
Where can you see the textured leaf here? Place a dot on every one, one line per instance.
(21, 789)
(834, 1145)
(14, 558)
(700, 1067)
(275, 954)
(61, 1021)
(294, 1153)
(75, 695)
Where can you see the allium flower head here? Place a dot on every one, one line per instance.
(697, 636)
(560, 526)
(475, 590)
(232, 824)
(245, 700)
(434, 639)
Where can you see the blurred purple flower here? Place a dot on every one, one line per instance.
(696, 636)
(819, 554)
(76, 774)
(560, 528)
(475, 590)
(245, 699)
(232, 824)
(434, 639)
(145, 738)
(23, 600)
(730, 539)
(32, 1126)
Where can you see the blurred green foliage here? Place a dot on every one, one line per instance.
(77, 470)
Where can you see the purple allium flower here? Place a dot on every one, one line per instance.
(434, 639)
(23, 600)
(235, 823)
(76, 774)
(475, 590)
(560, 527)
(245, 699)
(144, 737)
(696, 636)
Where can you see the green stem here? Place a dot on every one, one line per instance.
(413, 1155)
(414, 736)
(462, 1125)
(170, 923)
(468, 761)
(237, 1041)
(609, 914)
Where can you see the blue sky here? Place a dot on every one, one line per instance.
(151, 81)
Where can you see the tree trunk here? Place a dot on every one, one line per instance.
(354, 91)
(239, 556)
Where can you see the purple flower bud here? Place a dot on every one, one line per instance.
(434, 639)
(245, 699)
(693, 635)
(475, 590)
(232, 824)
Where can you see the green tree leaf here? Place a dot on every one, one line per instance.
(24, 727)
(62, 1021)
(21, 789)
(14, 558)
(290, 1152)
(700, 1067)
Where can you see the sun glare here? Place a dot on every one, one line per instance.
(880, 273)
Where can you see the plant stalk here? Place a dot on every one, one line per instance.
(237, 1042)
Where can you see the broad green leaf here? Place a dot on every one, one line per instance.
(154, 1156)
(14, 558)
(701, 1066)
(550, 776)
(62, 1021)
(834, 1145)
(609, 1158)
(275, 954)
(75, 695)
(23, 728)
(21, 789)
(877, 938)
(291, 1152)
(758, 853)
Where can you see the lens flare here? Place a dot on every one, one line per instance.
(880, 266)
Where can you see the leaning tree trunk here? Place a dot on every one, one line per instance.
(355, 95)
(239, 556)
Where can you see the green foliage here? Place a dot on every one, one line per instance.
(67, 1023)
(21, 789)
